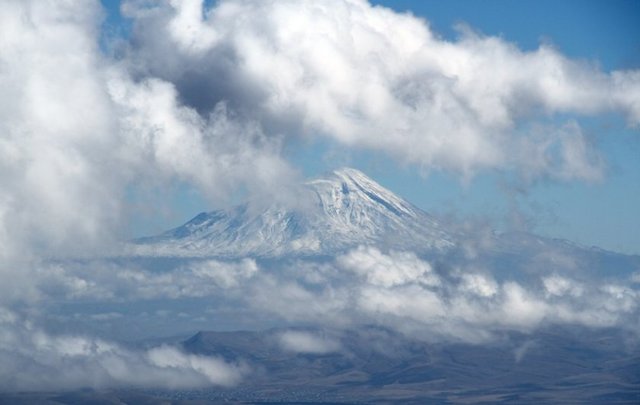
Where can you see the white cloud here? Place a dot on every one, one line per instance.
(479, 284)
(216, 371)
(521, 308)
(166, 140)
(412, 301)
(293, 301)
(619, 298)
(558, 285)
(307, 342)
(225, 275)
(379, 269)
(372, 78)
(55, 127)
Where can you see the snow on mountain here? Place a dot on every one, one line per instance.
(332, 213)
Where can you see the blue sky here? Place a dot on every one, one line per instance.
(602, 213)
(605, 32)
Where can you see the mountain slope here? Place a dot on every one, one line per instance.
(340, 210)
(373, 364)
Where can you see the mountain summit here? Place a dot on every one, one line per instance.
(340, 210)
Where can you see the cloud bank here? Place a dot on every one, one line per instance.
(371, 78)
(465, 301)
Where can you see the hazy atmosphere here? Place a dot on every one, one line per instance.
(327, 176)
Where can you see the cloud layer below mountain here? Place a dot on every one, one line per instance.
(399, 290)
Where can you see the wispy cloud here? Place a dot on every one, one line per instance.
(307, 342)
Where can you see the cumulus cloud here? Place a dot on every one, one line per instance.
(165, 139)
(558, 285)
(368, 77)
(224, 274)
(55, 127)
(78, 133)
(379, 269)
(479, 284)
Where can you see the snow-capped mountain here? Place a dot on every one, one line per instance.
(335, 212)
